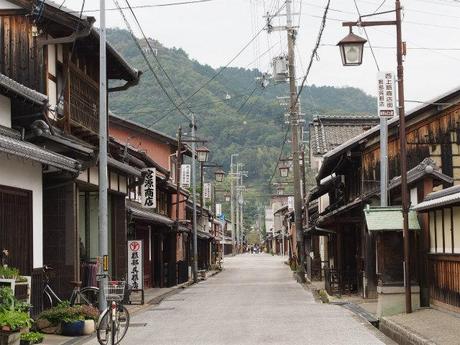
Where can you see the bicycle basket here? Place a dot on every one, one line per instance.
(114, 290)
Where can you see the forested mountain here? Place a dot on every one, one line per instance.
(233, 111)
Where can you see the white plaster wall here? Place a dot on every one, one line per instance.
(5, 111)
(25, 174)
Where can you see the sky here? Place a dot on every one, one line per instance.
(214, 32)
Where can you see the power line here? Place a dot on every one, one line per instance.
(151, 6)
(155, 56)
(279, 157)
(368, 39)
(147, 60)
(314, 53)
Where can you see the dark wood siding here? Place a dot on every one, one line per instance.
(119, 241)
(60, 239)
(16, 229)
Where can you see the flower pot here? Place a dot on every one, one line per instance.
(89, 327)
(10, 338)
(72, 329)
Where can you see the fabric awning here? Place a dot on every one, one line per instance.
(33, 152)
(389, 219)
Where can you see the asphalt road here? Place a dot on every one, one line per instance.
(253, 301)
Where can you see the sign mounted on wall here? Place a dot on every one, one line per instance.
(386, 94)
(136, 264)
(185, 175)
(218, 210)
(207, 191)
(290, 203)
(149, 188)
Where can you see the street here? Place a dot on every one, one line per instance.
(254, 300)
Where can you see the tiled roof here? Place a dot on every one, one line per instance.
(30, 151)
(445, 197)
(22, 91)
(329, 131)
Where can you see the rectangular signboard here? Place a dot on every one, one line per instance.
(218, 210)
(207, 191)
(149, 188)
(386, 94)
(185, 175)
(136, 264)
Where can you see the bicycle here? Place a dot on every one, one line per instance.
(113, 323)
(87, 295)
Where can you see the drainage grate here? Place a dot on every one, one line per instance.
(139, 324)
(174, 300)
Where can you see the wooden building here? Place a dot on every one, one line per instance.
(349, 179)
(166, 242)
(52, 50)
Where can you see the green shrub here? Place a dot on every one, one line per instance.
(63, 312)
(33, 337)
(14, 320)
(8, 272)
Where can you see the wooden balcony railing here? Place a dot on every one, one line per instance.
(84, 100)
(444, 275)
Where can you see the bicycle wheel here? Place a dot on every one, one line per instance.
(105, 329)
(87, 295)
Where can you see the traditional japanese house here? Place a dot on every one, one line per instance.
(23, 166)
(441, 214)
(166, 238)
(326, 132)
(55, 51)
(365, 257)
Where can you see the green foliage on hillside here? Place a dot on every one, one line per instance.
(251, 126)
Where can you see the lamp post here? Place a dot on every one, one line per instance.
(351, 49)
(284, 170)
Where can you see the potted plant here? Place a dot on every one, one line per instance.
(70, 319)
(90, 314)
(31, 338)
(12, 322)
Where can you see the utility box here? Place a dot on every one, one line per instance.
(280, 69)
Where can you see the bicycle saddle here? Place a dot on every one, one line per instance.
(47, 268)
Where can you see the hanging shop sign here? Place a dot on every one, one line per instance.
(185, 175)
(218, 210)
(386, 94)
(207, 191)
(149, 188)
(135, 264)
(290, 203)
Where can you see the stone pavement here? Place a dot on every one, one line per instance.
(425, 326)
(254, 300)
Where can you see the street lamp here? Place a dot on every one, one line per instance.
(284, 170)
(351, 49)
(355, 58)
(227, 197)
(219, 175)
(202, 154)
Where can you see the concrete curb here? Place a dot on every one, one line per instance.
(402, 335)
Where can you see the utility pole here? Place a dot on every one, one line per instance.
(294, 117)
(195, 241)
(103, 183)
(237, 208)
(178, 166)
(232, 201)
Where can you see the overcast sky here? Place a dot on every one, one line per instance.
(213, 32)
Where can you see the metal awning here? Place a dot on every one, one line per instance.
(389, 219)
(145, 214)
(111, 162)
(445, 197)
(203, 235)
(316, 230)
(30, 151)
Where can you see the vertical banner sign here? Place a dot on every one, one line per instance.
(149, 188)
(207, 191)
(136, 264)
(290, 203)
(218, 210)
(386, 96)
(185, 175)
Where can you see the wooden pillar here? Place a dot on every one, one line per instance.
(424, 245)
